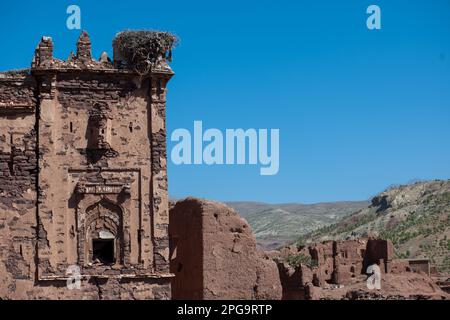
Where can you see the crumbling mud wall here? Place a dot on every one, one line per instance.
(17, 135)
(83, 160)
(379, 252)
(186, 251)
(18, 168)
(337, 270)
(214, 255)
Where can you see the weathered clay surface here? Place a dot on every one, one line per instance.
(82, 163)
(83, 182)
(214, 255)
(337, 270)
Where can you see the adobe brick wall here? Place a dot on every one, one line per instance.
(186, 250)
(380, 252)
(338, 263)
(81, 136)
(214, 255)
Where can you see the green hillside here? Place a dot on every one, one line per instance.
(277, 224)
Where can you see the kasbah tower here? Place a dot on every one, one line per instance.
(83, 180)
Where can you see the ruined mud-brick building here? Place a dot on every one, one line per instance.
(339, 263)
(214, 256)
(83, 177)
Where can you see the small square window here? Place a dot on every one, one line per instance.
(103, 250)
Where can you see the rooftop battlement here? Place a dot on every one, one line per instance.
(142, 52)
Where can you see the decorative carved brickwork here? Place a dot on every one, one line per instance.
(83, 178)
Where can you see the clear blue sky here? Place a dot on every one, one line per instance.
(357, 110)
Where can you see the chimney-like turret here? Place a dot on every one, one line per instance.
(43, 52)
(84, 47)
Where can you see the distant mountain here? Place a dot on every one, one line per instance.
(277, 224)
(415, 217)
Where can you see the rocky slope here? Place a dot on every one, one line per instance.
(277, 224)
(416, 218)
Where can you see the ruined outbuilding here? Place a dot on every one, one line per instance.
(83, 177)
(334, 269)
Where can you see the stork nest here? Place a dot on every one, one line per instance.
(142, 49)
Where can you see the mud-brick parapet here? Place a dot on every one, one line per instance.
(135, 52)
(141, 52)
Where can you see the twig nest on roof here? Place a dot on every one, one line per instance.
(142, 49)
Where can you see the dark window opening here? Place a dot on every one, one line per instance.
(158, 87)
(131, 127)
(103, 250)
(71, 127)
(11, 162)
